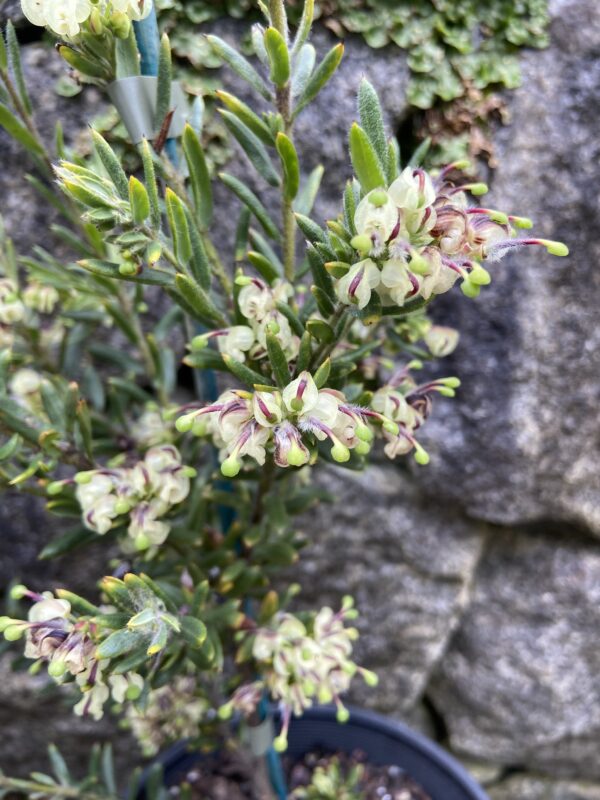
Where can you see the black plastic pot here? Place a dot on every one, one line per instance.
(384, 741)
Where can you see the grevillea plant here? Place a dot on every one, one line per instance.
(305, 344)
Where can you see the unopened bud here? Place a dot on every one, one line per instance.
(18, 592)
(185, 423)
(362, 243)
(340, 453)
(555, 248)
(13, 633)
(120, 24)
(231, 467)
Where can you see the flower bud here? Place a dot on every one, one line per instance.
(340, 453)
(185, 423)
(120, 24)
(362, 243)
(14, 632)
(555, 248)
(231, 467)
(18, 592)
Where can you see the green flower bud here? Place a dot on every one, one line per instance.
(480, 276)
(362, 448)
(6, 622)
(120, 24)
(185, 423)
(141, 542)
(362, 243)
(14, 632)
(57, 668)
(370, 678)
(128, 268)
(340, 453)
(18, 592)
(199, 342)
(231, 467)
(364, 433)
(555, 248)
(391, 427)
(378, 197)
(478, 189)
(122, 506)
(521, 222)
(469, 289)
(421, 455)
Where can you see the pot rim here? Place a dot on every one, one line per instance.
(369, 721)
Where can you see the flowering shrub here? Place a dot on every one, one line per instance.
(317, 334)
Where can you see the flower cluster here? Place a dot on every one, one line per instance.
(245, 423)
(170, 714)
(300, 665)
(290, 422)
(257, 303)
(66, 645)
(146, 492)
(419, 236)
(65, 17)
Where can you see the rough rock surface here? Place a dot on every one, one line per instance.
(535, 788)
(520, 685)
(522, 444)
(407, 562)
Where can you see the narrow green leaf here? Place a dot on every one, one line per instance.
(241, 235)
(278, 360)
(87, 66)
(239, 65)
(308, 193)
(66, 542)
(320, 275)
(151, 185)
(320, 330)
(19, 132)
(303, 69)
(394, 161)
(290, 164)
(199, 267)
(371, 120)
(127, 56)
(193, 631)
(366, 164)
(418, 156)
(10, 448)
(112, 164)
(198, 300)
(320, 77)
(243, 373)
(139, 201)
(292, 318)
(262, 245)
(304, 353)
(117, 644)
(324, 304)
(14, 57)
(245, 114)
(3, 54)
(108, 770)
(310, 229)
(179, 227)
(263, 266)
(108, 269)
(59, 766)
(199, 175)
(80, 604)
(163, 86)
(304, 27)
(252, 146)
(251, 200)
(279, 57)
(322, 374)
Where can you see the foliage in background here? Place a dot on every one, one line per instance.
(458, 50)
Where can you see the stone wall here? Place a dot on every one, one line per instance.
(478, 576)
